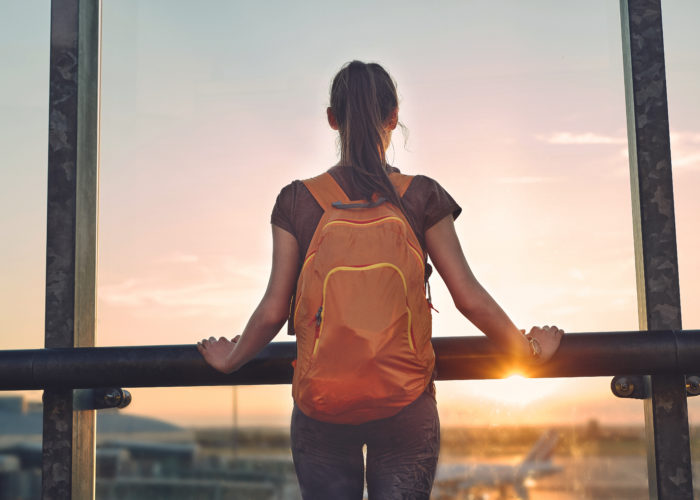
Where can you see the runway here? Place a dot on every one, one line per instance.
(590, 478)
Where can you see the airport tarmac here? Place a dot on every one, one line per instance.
(588, 478)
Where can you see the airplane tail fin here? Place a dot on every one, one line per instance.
(543, 449)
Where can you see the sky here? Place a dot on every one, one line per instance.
(209, 108)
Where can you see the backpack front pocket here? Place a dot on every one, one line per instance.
(363, 309)
(363, 340)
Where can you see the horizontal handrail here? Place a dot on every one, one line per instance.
(458, 358)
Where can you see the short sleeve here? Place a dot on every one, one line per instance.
(429, 203)
(282, 212)
(439, 204)
(297, 212)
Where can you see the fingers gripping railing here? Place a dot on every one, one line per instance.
(580, 355)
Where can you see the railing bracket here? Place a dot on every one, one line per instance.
(100, 398)
(633, 386)
(629, 386)
(692, 385)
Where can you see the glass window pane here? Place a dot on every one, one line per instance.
(24, 88)
(682, 68)
(517, 110)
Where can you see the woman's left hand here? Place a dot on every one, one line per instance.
(218, 352)
(548, 338)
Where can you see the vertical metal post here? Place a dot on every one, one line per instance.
(68, 464)
(658, 295)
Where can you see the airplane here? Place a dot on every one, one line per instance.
(464, 479)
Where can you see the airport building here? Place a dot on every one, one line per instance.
(139, 458)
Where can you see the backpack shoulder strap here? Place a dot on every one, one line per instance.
(400, 182)
(325, 190)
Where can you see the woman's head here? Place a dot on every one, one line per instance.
(364, 110)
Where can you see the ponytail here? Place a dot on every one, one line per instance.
(363, 97)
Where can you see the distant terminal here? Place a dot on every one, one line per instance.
(137, 458)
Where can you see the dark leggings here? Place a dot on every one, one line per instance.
(402, 453)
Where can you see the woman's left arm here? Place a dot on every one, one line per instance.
(267, 319)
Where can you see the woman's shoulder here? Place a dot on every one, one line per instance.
(426, 186)
(427, 198)
(297, 185)
(418, 181)
(295, 205)
(289, 190)
(297, 212)
(424, 181)
(286, 206)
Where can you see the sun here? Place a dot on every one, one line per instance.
(515, 390)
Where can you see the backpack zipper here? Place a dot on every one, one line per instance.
(380, 220)
(318, 317)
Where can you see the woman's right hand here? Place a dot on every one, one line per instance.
(218, 352)
(548, 338)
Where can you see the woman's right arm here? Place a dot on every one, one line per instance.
(267, 319)
(475, 303)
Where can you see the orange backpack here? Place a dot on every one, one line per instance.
(362, 320)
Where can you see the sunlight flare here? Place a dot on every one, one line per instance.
(515, 389)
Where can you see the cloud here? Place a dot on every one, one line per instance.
(586, 138)
(179, 258)
(685, 150)
(211, 286)
(686, 160)
(137, 293)
(685, 145)
(525, 180)
(691, 137)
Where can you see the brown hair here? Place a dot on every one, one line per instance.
(363, 96)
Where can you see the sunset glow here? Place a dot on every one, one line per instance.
(210, 108)
(516, 390)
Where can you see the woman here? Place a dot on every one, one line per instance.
(403, 444)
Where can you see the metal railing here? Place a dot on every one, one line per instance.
(457, 358)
